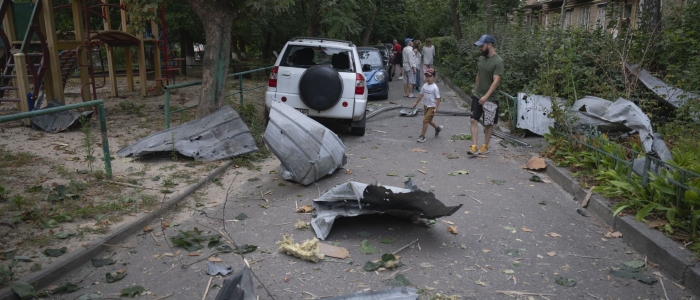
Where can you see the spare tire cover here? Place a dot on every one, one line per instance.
(320, 87)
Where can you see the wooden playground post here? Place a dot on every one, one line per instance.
(53, 82)
(22, 83)
(127, 53)
(110, 54)
(8, 23)
(142, 68)
(76, 7)
(156, 53)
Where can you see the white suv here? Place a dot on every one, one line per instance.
(323, 79)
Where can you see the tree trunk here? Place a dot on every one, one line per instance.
(187, 50)
(489, 16)
(368, 29)
(314, 15)
(217, 18)
(456, 24)
(650, 13)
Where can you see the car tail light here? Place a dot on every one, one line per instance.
(359, 84)
(273, 77)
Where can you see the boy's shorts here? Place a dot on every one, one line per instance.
(409, 76)
(429, 113)
(478, 111)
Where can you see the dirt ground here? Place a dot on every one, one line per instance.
(53, 196)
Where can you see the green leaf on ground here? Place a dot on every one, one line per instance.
(55, 252)
(565, 281)
(132, 291)
(25, 291)
(224, 249)
(364, 233)
(67, 287)
(497, 182)
(241, 217)
(542, 203)
(63, 235)
(459, 172)
(253, 179)
(114, 277)
(367, 248)
(155, 178)
(509, 228)
(513, 252)
(371, 266)
(245, 248)
(535, 178)
(634, 264)
(387, 241)
(99, 262)
(392, 174)
(398, 280)
(625, 271)
(22, 258)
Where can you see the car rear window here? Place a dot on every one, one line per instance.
(370, 57)
(300, 56)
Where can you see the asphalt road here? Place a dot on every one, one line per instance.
(512, 234)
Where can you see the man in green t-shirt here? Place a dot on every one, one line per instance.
(484, 96)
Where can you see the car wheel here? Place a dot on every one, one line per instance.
(320, 87)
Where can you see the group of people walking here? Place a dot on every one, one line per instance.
(414, 61)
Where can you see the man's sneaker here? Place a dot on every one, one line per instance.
(437, 130)
(484, 149)
(421, 139)
(400, 77)
(472, 150)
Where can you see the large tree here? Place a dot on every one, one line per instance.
(217, 17)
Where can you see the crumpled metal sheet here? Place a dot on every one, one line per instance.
(622, 115)
(307, 150)
(404, 293)
(533, 113)
(219, 135)
(352, 199)
(59, 121)
(238, 287)
(671, 95)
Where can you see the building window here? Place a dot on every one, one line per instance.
(568, 18)
(600, 19)
(546, 20)
(584, 17)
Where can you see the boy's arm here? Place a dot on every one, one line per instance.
(420, 97)
(437, 104)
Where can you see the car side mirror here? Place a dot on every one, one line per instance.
(366, 67)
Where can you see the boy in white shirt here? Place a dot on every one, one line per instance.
(430, 94)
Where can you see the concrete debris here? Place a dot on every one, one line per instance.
(352, 199)
(307, 250)
(219, 135)
(306, 149)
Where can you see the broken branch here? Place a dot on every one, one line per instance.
(207, 290)
(518, 293)
(477, 200)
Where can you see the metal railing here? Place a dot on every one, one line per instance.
(623, 163)
(100, 112)
(513, 112)
(240, 91)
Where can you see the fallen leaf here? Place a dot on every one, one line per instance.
(525, 229)
(657, 223)
(147, 229)
(452, 229)
(348, 171)
(448, 222)
(214, 259)
(657, 274)
(333, 251)
(304, 209)
(535, 164)
(481, 283)
(508, 272)
(121, 271)
(426, 265)
(612, 235)
(466, 212)
(540, 256)
(419, 150)
(509, 228)
(193, 254)
(554, 235)
(565, 281)
(459, 172)
(552, 253)
(164, 225)
(485, 250)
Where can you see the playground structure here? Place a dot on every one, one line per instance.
(41, 62)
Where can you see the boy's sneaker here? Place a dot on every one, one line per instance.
(400, 77)
(472, 150)
(437, 130)
(421, 139)
(484, 149)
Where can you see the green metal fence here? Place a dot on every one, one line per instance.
(240, 91)
(100, 112)
(624, 157)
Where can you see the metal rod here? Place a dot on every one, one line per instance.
(105, 141)
(240, 87)
(167, 108)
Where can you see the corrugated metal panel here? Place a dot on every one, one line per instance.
(533, 113)
(307, 150)
(219, 135)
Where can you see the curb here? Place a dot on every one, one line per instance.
(679, 264)
(72, 262)
(456, 89)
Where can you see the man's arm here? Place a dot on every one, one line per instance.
(492, 88)
(476, 82)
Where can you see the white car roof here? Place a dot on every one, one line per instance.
(320, 41)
